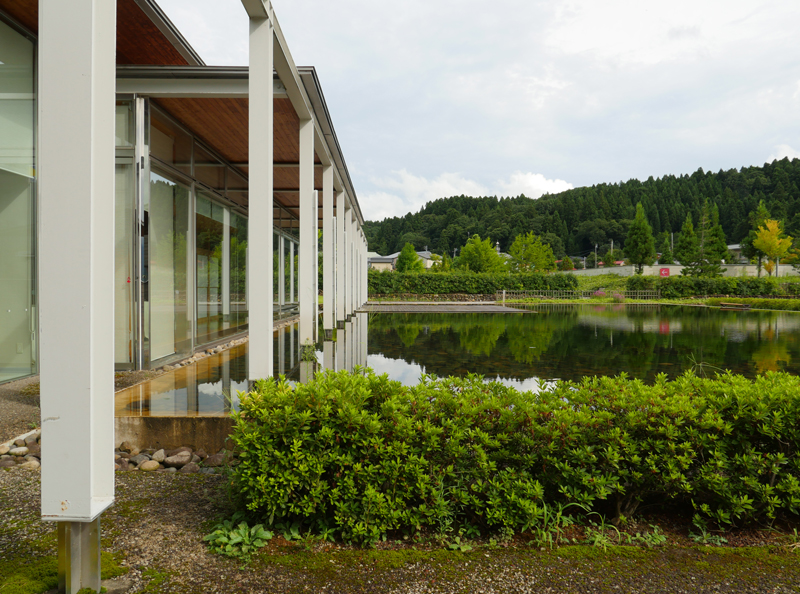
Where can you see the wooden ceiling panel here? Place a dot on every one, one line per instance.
(220, 123)
(25, 12)
(138, 40)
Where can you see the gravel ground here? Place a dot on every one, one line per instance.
(19, 413)
(159, 519)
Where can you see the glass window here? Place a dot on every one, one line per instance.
(17, 206)
(169, 143)
(167, 272)
(208, 169)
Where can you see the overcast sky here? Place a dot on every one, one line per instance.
(433, 98)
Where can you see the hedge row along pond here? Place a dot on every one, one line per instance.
(359, 456)
(427, 283)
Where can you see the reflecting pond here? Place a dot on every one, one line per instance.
(572, 341)
(525, 350)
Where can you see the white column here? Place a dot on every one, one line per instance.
(341, 215)
(351, 240)
(308, 235)
(281, 271)
(328, 247)
(364, 283)
(291, 271)
(364, 338)
(316, 266)
(226, 267)
(259, 273)
(76, 85)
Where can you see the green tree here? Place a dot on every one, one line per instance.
(529, 252)
(566, 264)
(686, 252)
(639, 244)
(441, 263)
(611, 257)
(408, 261)
(480, 256)
(591, 261)
(665, 250)
(710, 245)
(756, 219)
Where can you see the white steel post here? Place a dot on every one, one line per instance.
(308, 236)
(291, 272)
(351, 284)
(77, 91)
(341, 213)
(259, 272)
(315, 229)
(226, 267)
(328, 265)
(282, 241)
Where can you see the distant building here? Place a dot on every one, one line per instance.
(377, 262)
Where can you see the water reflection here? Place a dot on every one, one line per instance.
(525, 350)
(569, 342)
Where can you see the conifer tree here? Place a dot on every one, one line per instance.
(665, 250)
(639, 244)
(408, 261)
(686, 250)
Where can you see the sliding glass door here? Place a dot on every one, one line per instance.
(17, 206)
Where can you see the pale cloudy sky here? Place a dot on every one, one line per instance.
(432, 98)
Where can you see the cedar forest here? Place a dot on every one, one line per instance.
(576, 220)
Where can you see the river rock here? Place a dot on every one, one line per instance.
(207, 471)
(169, 470)
(178, 460)
(215, 460)
(4, 449)
(128, 448)
(34, 449)
(149, 466)
(196, 458)
(20, 451)
(20, 443)
(7, 463)
(159, 456)
(201, 453)
(123, 464)
(33, 463)
(190, 468)
(139, 459)
(177, 451)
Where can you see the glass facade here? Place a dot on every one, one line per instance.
(18, 356)
(181, 231)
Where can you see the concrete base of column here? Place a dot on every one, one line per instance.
(329, 334)
(340, 325)
(78, 556)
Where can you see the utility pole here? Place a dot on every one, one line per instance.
(595, 255)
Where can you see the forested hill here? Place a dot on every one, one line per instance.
(573, 221)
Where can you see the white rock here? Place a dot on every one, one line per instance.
(4, 449)
(159, 456)
(18, 451)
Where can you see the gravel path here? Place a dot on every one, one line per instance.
(18, 413)
(158, 522)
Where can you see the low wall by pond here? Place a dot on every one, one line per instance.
(207, 433)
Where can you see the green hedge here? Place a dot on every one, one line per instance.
(360, 456)
(388, 282)
(782, 304)
(676, 287)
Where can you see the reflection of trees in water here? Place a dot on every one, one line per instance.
(553, 344)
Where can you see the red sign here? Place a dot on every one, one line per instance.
(663, 272)
(663, 327)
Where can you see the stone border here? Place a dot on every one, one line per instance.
(25, 451)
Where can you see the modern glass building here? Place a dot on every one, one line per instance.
(181, 202)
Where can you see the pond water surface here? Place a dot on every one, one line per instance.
(525, 350)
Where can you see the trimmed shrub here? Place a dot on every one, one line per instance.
(781, 304)
(388, 282)
(360, 456)
(678, 287)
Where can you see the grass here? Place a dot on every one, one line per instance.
(32, 575)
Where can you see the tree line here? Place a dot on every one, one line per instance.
(580, 221)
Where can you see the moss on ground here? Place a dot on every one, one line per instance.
(33, 575)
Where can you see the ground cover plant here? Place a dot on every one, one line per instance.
(362, 458)
(675, 287)
(756, 303)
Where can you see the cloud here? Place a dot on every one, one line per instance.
(404, 192)
(783, 150)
